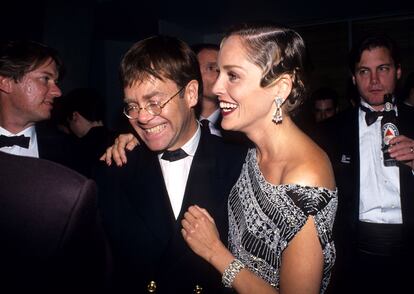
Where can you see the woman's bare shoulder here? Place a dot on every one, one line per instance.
(311, 167)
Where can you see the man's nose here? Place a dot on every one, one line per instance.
(144, 116)
(55, 91)
(374, 78)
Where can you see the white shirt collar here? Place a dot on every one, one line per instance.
(363, 103)
(175, 173)
(213, 117)
(28, 132)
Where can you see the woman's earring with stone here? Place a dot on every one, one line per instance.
(278, 115)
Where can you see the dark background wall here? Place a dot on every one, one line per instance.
(93, 35)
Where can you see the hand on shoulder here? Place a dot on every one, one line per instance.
(117, 152)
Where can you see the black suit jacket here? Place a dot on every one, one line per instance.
(340, 139)
(51, 238)
(144, 234)
(56, 146)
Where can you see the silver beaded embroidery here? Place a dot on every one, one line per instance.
(264, 218)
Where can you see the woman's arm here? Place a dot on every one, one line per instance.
(200, 233)
(302, 261)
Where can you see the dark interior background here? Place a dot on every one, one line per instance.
(93, 35)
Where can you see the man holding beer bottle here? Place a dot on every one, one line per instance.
(374, 227)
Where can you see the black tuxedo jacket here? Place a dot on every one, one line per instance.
(52, 240)
(340, 139)
(144, 234)
(56, 146)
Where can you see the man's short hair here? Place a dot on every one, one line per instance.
(161, 57)
(325, 93)
(17, 58)
(370, 42)
(197, 48)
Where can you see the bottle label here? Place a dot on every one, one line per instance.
(389, 131)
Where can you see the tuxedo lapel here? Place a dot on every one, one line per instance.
(218, 123)
(148, 196)
(406, 194)
(356, 170)
(199, 180)
(405, 123)
(343, 146)
(47, 142)
(202, 189)
(42, 143)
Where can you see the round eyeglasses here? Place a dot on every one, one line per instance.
(132, 110)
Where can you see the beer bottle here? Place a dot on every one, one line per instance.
(389, 129)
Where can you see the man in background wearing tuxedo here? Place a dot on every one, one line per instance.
(207, 109)
(29, 72)
(374, 229)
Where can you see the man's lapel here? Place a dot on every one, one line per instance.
(148, 195)
(201, 188)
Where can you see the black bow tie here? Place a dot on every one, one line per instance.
(174, 155)
(21, 141)
(370, 115)
(205, 125)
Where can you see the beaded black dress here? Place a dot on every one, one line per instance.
(264, 218)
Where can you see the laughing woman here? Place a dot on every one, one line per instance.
(282, 209)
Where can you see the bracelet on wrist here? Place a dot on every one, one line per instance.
(231, 272)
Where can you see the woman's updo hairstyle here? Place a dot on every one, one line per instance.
(277, 51)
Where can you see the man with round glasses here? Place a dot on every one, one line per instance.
(131, 110)
(175, 166)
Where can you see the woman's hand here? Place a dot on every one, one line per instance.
(116, 152)
(200, 232)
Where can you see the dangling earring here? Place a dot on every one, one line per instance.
(278, 115)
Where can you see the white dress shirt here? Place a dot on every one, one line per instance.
(32, 151)
(379, 200)
(176, 173)
(212, 122)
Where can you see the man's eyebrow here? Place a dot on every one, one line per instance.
(145, 97)
(362, 66)
(49, 73)
(367, 67)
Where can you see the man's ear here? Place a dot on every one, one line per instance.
(353, 80)
(6, 84)
(399, 72)
(191, 93)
